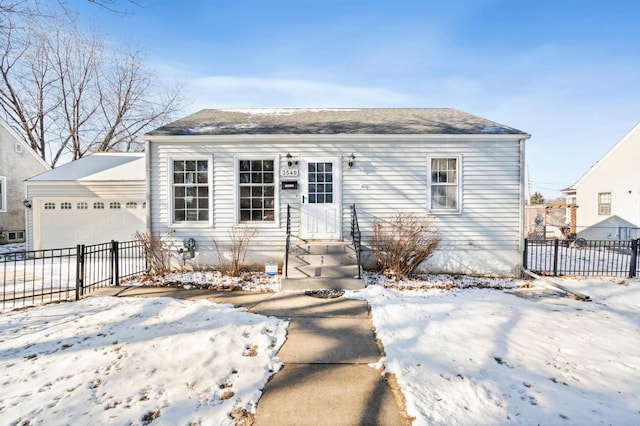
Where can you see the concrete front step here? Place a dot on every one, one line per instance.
(336, 248)
(326, 271)
(321, 283)
(326, 259)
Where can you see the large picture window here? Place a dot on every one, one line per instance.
(444, 183)
(190, 191)
(256, 180)
(604, 203)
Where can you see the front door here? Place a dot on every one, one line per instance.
(320, 211)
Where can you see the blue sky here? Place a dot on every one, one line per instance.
(565, 71)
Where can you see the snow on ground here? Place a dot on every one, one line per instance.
(129, 361)
(11, 248)
(465, 350)
(482, 356)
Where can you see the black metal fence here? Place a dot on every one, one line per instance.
(582, 257)
(43, 276)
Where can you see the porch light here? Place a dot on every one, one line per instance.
(352, 159)
(289, 162)
(27, 203)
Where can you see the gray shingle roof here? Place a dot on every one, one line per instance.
(333, 121)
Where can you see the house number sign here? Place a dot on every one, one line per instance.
(289, 172)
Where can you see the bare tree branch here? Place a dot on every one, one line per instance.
(69, 96)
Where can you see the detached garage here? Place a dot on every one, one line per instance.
(95, 199)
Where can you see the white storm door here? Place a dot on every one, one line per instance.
(320, 208)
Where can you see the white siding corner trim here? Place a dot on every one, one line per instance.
(3, 194)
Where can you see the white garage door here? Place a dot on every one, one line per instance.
(67, 222)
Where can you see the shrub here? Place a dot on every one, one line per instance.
(158, 255)
(231, 261)
(403, 242)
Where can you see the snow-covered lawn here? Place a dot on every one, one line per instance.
(462, 354)
(478, 356)
(126, 361)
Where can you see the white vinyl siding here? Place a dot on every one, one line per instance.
(388, 176)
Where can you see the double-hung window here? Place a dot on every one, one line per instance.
(190, 191)
(604, 203)
(257, 184)
(444, 184)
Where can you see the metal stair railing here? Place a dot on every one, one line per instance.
(288, 243)
(356, 237)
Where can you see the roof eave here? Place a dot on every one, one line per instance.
(334, 137)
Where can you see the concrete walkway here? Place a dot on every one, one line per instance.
(326, 379)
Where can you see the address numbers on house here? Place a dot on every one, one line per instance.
(289, 172)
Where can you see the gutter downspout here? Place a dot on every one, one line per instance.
(147, 181)
(556, 286)
(522, 197)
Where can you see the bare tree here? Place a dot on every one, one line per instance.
(70, 96)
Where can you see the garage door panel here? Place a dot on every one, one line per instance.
(67, 228)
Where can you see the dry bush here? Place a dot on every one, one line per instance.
(403, 242)
(231, 260)
(158, 255)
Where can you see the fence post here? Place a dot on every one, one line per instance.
(633, 265)
(525, 254)
(555, 257)
(79, 271)
(115, 263)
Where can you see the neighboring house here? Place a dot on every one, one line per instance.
(17, 162)
(95, 199)
(219, 171)
(608, 194)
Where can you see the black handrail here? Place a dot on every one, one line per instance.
(356, 236)
(288, 241)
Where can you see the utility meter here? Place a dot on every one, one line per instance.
(189, 249)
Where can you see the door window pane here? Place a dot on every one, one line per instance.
(318, 174)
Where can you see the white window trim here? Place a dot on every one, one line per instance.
(170, 213)
(276, 191)
(3, 200)
(458, 210)
(600, 205)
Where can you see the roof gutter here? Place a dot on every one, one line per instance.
(334, 137)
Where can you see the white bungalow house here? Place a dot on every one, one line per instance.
(17, 162)
(92, 200)
(221, 170)
(608, 194)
